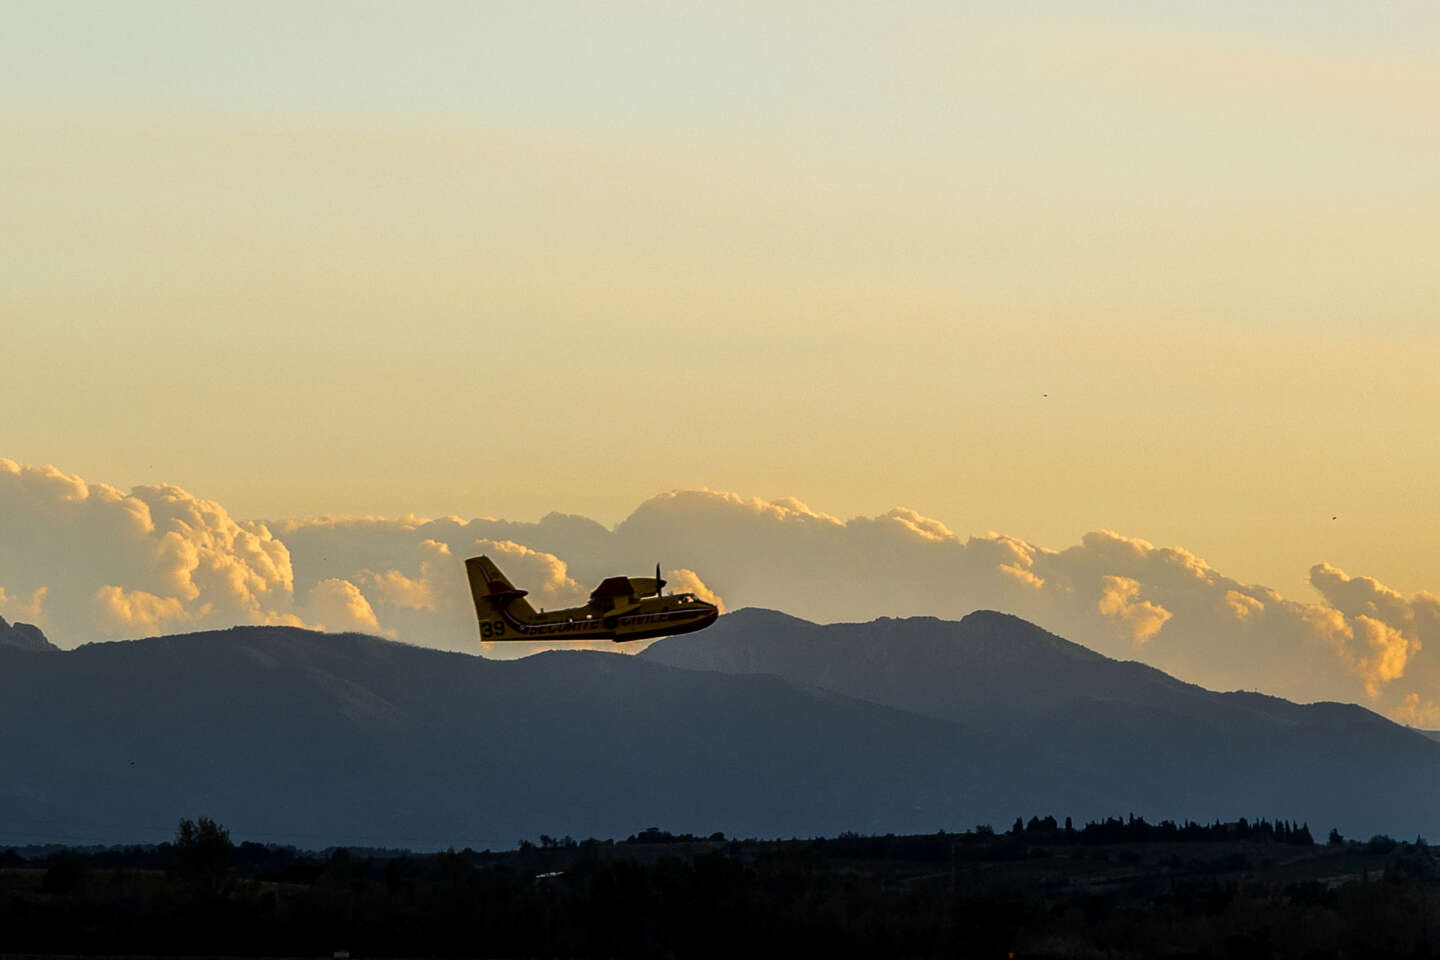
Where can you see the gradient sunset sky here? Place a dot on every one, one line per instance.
(1167, 269)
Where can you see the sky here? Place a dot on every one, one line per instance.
(1165, 270)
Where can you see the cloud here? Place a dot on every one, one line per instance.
(87, 561)
(1418, 712)
(1242, 606)
(119, 611)
(25, 610)
(424, 592)
(688, 581)
(110, 564)
(1360, 596)
(1118, 601)
(1389, 631)
(338, 605)
(1121, 595)
(545, 575)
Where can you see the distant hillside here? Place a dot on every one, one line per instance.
(24, 636)
(316, 739)
(1108, 733)
(908, 726)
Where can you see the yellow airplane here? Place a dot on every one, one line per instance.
(621, 608)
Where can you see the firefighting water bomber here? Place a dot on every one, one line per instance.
(621, 608)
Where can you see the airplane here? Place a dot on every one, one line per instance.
(620, 609)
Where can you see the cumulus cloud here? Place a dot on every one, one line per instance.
(119, 611)
(688, 581)
(88, 561)
(1120, 595)
(1417, 617)
(545, 575)
(110, 564)
(1242, 606)
(338, 605)
(1389, 632)
(423, 592)
(1119, 600)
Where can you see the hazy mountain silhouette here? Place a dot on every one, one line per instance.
(906, 726)
(294, 736)
(1105, 733)
(24, 636)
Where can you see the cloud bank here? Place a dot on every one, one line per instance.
(87, 561)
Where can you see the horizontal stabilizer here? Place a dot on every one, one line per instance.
(488, 584)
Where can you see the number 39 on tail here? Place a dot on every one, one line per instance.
(621, 608)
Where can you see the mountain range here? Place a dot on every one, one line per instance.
(1098, 732)
(763, 725)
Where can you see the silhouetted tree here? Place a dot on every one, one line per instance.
(202, 854)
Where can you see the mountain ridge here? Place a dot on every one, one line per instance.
(25, 636)
(1161, 742)
(297, 736)
(290, 735)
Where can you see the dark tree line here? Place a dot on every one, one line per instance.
(1136, 830)
(1041, 889)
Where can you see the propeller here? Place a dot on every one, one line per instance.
(659, 584)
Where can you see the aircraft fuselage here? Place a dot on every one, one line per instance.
(620, 609)
(582, 623)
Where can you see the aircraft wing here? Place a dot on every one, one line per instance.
(612, 589)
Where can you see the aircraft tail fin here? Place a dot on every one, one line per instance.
(495, 595)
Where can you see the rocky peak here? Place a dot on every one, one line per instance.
(25, 636)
